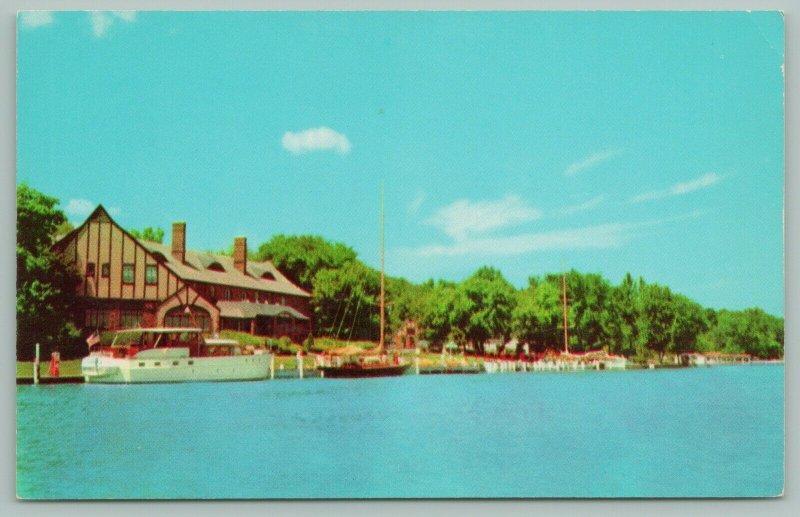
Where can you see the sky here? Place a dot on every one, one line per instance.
(641, 142)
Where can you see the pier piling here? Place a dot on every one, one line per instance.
(36, 366)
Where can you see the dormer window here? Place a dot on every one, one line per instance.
(268, 276)
(216, 266)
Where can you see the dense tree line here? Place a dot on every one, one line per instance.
(634, 318)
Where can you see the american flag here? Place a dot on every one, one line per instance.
(93, 339)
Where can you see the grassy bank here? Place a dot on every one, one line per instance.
(71, 368)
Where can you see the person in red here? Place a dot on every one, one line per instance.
(55, 364)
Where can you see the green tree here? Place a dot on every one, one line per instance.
(751, 331)
(485, 306)
(346, 302)
(622, 317)
(302, 257)
(689, 323)
(149, 234)
(437, 311)
(656, 317)
(45, 286)
(537, 318)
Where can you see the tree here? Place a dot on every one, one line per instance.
(149, 234)
(486, 306)
(302, 257)
(588, 309)
(45, 286)
(751, 331)
(622, 317)
(438, 311)
(345, 302)
(689, 323)
(656, 317)
(537, 318)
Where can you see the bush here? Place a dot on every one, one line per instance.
(244, 338)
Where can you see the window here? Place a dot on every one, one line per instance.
(227, 295)
(211, 291)
(127, 273)
(151, 274)
(96, 319)
(197, 317)
(130, 319)
(105, 270)
(268, 276)
(90, 269)
(216, 266)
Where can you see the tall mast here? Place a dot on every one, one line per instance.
(564, 298)
(383, 293)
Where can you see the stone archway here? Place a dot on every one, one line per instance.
(184, 298)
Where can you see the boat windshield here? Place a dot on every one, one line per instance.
(158, 338)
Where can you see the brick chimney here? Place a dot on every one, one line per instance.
(240, 254)
(179, 241)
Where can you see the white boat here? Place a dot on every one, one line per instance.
(172, 355)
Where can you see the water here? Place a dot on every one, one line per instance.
(691, 432)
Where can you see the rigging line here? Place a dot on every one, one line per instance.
(350, 299)
(335, 318)
(358, 306)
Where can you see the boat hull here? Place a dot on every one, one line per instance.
(359, 372)
(109, 370)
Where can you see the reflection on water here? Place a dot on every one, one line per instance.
(692, 432)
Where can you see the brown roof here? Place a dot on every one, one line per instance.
(196, 268)
(249, 310)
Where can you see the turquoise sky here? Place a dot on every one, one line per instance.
(610, 142)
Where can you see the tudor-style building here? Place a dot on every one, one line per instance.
(128, 282)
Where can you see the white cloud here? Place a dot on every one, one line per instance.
(593, 237)
(464, 217)
(587, 205)
(102, 21)
(317, 139)
(34, 19)
(80, 208)
(415, 204)
(679, 189)
(591, 161)
(603, 236)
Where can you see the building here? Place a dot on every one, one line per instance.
(128, 282)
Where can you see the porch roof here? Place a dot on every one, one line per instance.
(249, 310)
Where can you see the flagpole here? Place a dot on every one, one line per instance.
(383, 290)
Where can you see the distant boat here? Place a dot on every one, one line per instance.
(356, 363)
(598, 359)
(171, 355)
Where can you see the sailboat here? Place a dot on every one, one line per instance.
(597, 359)
(360, 364)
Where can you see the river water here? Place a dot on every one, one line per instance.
(709, 432)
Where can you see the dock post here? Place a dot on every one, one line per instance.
(300, 364)
(272, 367)
(416, 361)
(36, 366)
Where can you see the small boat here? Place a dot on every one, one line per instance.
(171, 355)
(357, 363)
(363, 367)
